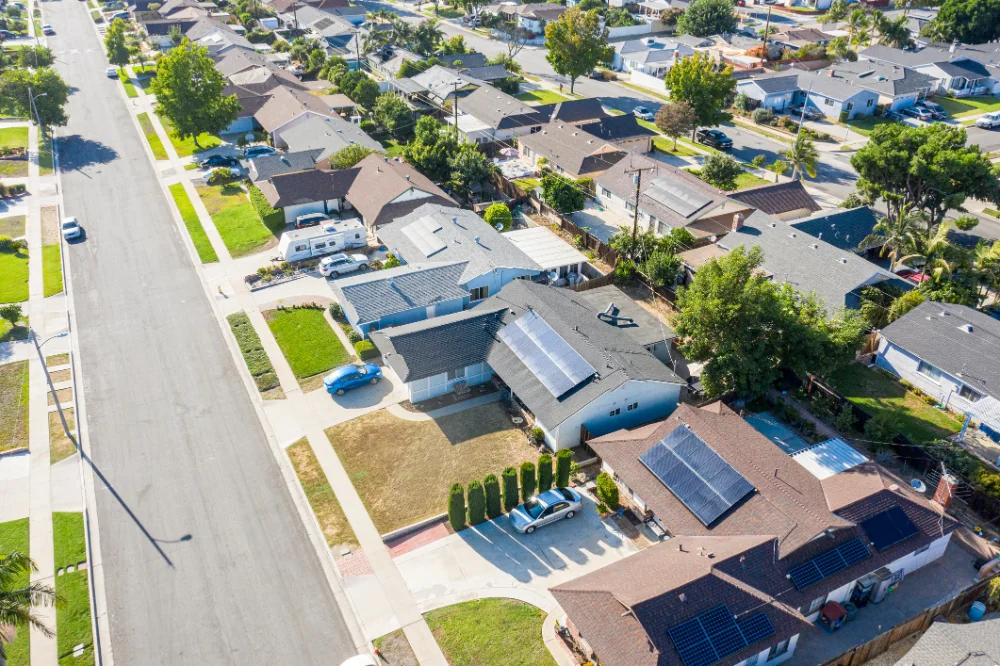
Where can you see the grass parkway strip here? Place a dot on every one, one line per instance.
(206, 253)
(254, 356)
(159, 152)
(329, 514)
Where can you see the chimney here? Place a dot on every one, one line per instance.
(945, 490)
(737, 221)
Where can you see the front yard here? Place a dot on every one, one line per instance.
(13, 405)
(542, 96)
(14, 538)
(13, 137)
(403, 469)
(487, 632)
(865, 124)
(238, 223)
(13, 276)
(308, 342)
(186, 147)
(969, 106)
(875, 392)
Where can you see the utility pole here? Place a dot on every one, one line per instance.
(357, 51)
(457, 81)
(637, 179)
(763, 39)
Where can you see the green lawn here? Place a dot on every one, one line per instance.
(14, 538)
(13, 168)
(487, 632)
(747, 179)
(542, 96)
(991, 212)
(13, 226)
(68, 538)
(13, 405)
(444, 12)
(186, 147)
(393, 148)
(206, 253)
(968, 106)
(865, 124)
(159, 152)
(876, 392)
(73, 619)
(254, 356)
(9, 333)
(52, 276)
(45, 166)
(528, 184)
(666, 145)
(309, 344)
(13, 137)
(241, 228)
(144, 81)
(329, 514)
(127, 82)
(13, 277)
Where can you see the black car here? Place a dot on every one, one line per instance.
(596, 74)
(219, 161)
(714, 138)
(7, 34)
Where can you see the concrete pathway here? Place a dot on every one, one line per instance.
(14, 468)
(407, 415)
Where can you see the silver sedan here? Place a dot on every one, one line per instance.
(550, 506)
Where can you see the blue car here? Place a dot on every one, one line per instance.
(346, 377)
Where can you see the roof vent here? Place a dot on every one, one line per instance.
(772, 225)
(477, 240)
(814, 246)
(843, 260)
(454, 220)
(966, 327)
(791, 235)
(819, 235)
(407, 177)
(682, 597)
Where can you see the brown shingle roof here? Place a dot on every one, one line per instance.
(380, 181)
(576, 151)
(778, 199)
(285, 105)
(301, 187)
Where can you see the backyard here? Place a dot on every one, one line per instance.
(237, 222)
(542, 96)
(329, 514)
(186, 147)
(875, 392)
(486, 632)
(14, 538)
(403, 469)
(13, 405)
(308, 342)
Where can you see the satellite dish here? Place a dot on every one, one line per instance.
(248, 136)
(499, 226)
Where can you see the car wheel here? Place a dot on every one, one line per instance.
(373, 381)
(529, 530)
(340, 391)
(363, 267)
(571, 514)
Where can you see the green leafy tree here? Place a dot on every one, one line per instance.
(175, 34)
(528, 480)
(470, 167)
(721, 170)
(904, 304)
(695, 80)
(50, 94)
(365, 93)
(499, 213)
(896, 238)
(607, 491)
(392, 113)
(676, 119)
(837, 12)
(11, 313)
(967, 21)
(510, 496)
(509, 63)
(491, 486)
(431, 149)
(576, 44)
(564, 463)
(34, 56)
(704, 18)
(562, 194)
(188, 92)
(19, 599)
(454, 46)
(662, 269)
(477, 502)
(348, 156)
(456, 507)
(803, 157)
(544, 472)
(116, 45)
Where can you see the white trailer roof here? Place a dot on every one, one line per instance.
(545, 248)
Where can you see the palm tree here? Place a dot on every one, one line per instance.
(777, 167)
(986, 259)
(839, 48)
(17, 598)
(858, 20)
(803, 157)
(897, 237)
(893, 32)
(932, 248)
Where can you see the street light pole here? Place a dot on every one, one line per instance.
(34, 107)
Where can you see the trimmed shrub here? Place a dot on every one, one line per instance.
(607, 490)
(498, 213)
(544, 472)
(762, 116)
(477, 503)
(537, 436)
(492, 487)
(366, 349)
(456, 507)
(510, 499)
(564, 461)
(845, 420)
(260, 203)
(880, 430)
(221, 175)
(528, 481)
(353, 336)
(336, 311)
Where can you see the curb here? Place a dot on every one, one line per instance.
(415, 527)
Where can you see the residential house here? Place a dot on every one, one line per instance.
(777, 92)
(216, 36)
(669, 198)
(655, 55)
(302, 15)
(794, 39)
(946, 643)
(158, 30)
(622, 132)
(950, 352)
(286, 108)
(560, 262)
(579, 369)
(785, 201)
(841, 228)
(833, 96)
(896, 86)
(441, 84)
(268, 166)
(328, 134)
(462, 61)
(324, 23)
(309, 191)
(532, 17)
(751, 542)
(807, 263)
(389, 60)
(479, 262)
(570, 151)
(957, 70)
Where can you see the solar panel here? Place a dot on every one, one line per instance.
(827, 564)
(557, 366)
(682, 200)
(698, 476)
(888, 528)
(715, 634)
(421, 234)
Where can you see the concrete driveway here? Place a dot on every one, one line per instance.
(599, 221)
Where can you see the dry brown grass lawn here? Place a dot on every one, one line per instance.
(61, 376)
(13, 405)
(56, 360)
(50, 225)
(396, 649)
(331, 518)
(65, 397)
(403, 469)
(60, 445)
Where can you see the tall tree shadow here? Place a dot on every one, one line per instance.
(76, 152)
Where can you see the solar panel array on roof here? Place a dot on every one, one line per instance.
(715, 634)
(557, 366)
(682, 200)
(832, 561)
(888, 528)
(421, 234)
(323, 23)
(697, 475)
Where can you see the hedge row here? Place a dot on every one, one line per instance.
(261, 205)
(366, 349)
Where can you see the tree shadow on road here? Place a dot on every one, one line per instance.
(76, 152)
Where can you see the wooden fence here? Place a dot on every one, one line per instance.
(860, 654)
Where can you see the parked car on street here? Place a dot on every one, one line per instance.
(918, 112)
(989, 120)
(596, 74)
(642, 113)
(796, 112)
(111, 72)
(936, 110)
(310, 220)
(714, 138)
(7, 34)
(48, 30)
(348, 377)
(550, 506)
(259, 151)
(71, 228)
(124, 16)
(219, 161)
(342, 263)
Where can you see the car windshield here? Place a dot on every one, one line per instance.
(362, 370)
(533, 508)
(566, 494)
(69, 225)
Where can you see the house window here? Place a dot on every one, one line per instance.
(929, 371)
(616, 412)
(559, 169)
(457, 373)
(828, 102)
(923, 549)
(850, 105)
(479, 293)
(630, 207)
(969, 394)
(779, 649)
(633, 406)
(663, 229)
(606, 193)
(870, 103)
(751, 660)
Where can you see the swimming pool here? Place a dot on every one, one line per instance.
(768, 425)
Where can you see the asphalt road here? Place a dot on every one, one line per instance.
(206, 559)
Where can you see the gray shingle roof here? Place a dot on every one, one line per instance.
(644, 329)
(441, 81)
(772, 85)
(502, 111)
(841, 228)
(467, 59)
(267, 166)
(932, 332)
(970, 69)
(371, 296)
(806, 263)
(302, 187)
(329, 135)
(778, 198)
(488, 73)
(458, 233)
(976, 644)
(887, 79)
(616, 128)
(984, 54)
(577, 152)
(381, 181)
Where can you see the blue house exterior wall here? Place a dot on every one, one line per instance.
(410, 316)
